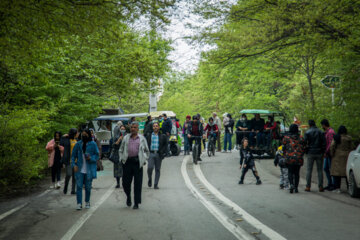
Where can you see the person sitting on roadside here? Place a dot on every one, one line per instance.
(247, 158)
(243, 127)
(257, 129)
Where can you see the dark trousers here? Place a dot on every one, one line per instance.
(218, 142)
(55, 173)
(294, 175)
(73, 183)
(132, 170)
(327, 166)
(154, 161)
(337, 181)
(245, 169)
(318, 159)
(240, 135)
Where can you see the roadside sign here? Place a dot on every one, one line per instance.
(331, 81)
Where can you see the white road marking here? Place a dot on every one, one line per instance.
(245, 215)
(229, 224)
(4, 215)
(89, 212)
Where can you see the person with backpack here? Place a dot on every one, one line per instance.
(294, 149)
(247, 158)
(284, 174)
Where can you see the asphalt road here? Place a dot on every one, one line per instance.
(193, 202)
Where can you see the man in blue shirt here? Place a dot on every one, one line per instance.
(157, 143)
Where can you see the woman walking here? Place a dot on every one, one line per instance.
(340, 148)
(55, 152)
(294, 149)
(83, 159)
(119, 133)
(68, 142)
(247, 158)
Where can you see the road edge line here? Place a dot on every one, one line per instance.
(8, 213)
(246, 216)
(236, 230)
(89, 212)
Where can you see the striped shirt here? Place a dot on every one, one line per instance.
(154, 142)
(133, 147)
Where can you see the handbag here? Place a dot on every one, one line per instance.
(99, 165)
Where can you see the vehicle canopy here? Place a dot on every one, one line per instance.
(169, 114)
(278, 116)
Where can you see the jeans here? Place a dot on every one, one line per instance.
(327, 166)
(227, 139)
(294, 175)
(82, 179)
(186, 143)
(311, 158)
(154, 161)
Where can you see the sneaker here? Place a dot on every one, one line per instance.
(58, 185)
(241, 182)
(229, 151)
(156, 186)
(258, 182)
(87, 205)
(128, 201)
(307, 189)
(286, 188)
(336, 190)
(79, 206)
(199, 159)
(117, 186)
(136, 206)
(52, 186)
(73, 192)
(296, 190)
(321, 189)
(223, 151)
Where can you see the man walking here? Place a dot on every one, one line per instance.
(134, 153)
(316, 145)
(329, 136)
(217, 121)
(157, 145)
(166, 129)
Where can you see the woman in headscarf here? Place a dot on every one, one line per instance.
(340, 148)
(119, 133)
(55, 153)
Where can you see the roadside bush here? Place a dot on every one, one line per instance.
(22, 154)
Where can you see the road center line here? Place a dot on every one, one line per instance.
(4, 215)
(89, 212)
(245, 215)
(229, 224)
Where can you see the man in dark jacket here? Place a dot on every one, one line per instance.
(315, 148)
(166, 129)
(148, 128)
(157, 143)
(196, 129)
(257, 128)
(243, 127)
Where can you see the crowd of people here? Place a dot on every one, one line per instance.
(79, 152)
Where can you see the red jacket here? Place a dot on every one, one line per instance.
(214, 128)
(273, 127)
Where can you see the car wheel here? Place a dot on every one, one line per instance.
(354, 191)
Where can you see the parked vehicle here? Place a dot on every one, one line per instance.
(353, 172)
(270, 149)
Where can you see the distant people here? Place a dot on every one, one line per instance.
(202, 121)
(55, 153)
(99, 166)
(257, 130)
(119, 134)
(329, 136)
(229, 131)
(186, 138)
(243, 127)
(166, 129)
(315, 144)
(83, 159)
(269, 131)
(247, 158)
(134, 153)
(217, 121)
(68, 142)
(340, 148)
(148, 128)
(284, 173)
(157, 144)
(294, 149)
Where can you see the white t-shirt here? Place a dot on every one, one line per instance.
(84, 167)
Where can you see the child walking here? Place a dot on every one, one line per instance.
(281, 161)
(247, 158)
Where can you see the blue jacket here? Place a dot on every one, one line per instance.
(77, 158)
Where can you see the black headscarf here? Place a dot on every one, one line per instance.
(341, 131)
(86, 139)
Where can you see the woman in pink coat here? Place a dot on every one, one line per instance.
(55, 152)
